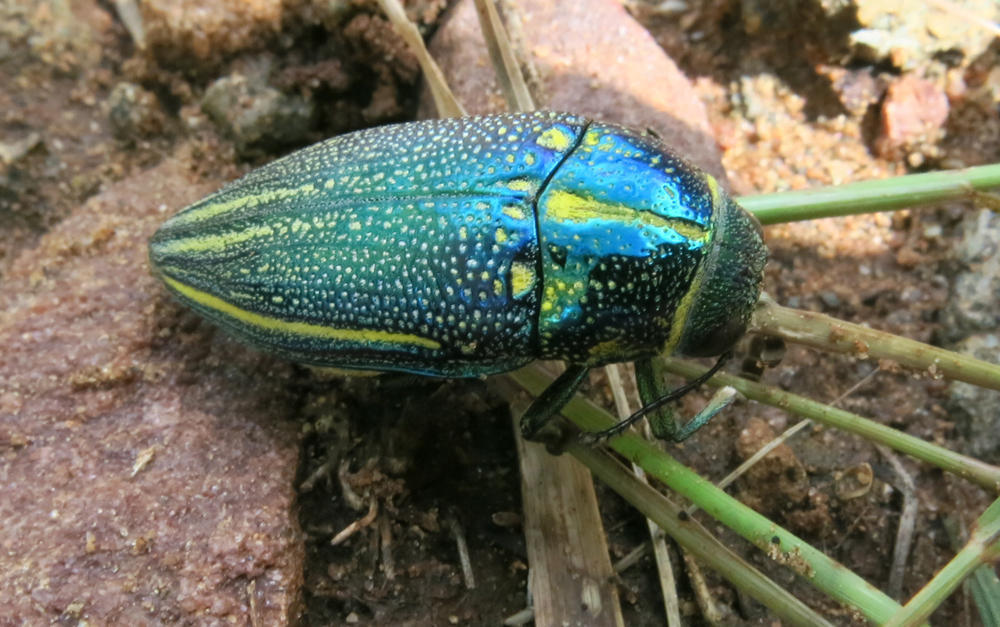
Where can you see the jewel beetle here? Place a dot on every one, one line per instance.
(471, 246)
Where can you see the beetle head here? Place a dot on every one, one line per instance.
(730, 284)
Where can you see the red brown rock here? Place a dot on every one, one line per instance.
(913, 116)
(146, 468)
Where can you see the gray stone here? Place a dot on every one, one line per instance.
(134, 112)
(255, 115)
(975, 408)
(974, 306)
(971, 321)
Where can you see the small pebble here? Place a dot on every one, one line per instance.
(829, 299)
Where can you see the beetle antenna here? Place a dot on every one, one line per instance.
(599, 436)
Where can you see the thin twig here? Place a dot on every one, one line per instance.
(664, 568)
(701, 592)
(501, 53)
(357, 525)
(385, 544)
(131, 17)
(322, 472)
(445, 101)
(560, 506)
(351, 497)
(522, 617)
(632, 558)
(463, 552)
(907, 523)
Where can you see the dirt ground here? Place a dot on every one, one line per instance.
(438, 456)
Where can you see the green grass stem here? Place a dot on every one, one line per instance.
(890, 194)
(694, 537)
(838, 336)
(982, 548)
(779, 544)
(978, 472)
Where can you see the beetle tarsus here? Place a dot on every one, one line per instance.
(556, 436)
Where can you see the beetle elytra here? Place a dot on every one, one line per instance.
(471, 246)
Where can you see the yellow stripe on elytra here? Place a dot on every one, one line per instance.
(555, 138)
(713, 188)
(212, 243)
(297, 328)
(522, 279)
(208, 209)
(344, 372)
(569, 207)
(519, 185)
(514, 211)
(681, 313)
(678, 322)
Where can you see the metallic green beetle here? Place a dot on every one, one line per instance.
(472, 246)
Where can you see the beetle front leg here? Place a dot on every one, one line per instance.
(722, 399)
(662, 421)
(648, 376)
(551, 401)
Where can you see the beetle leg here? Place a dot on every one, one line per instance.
(551, 401)
(663, 424)
(662, 421)
(722, 398)
(648, 376)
